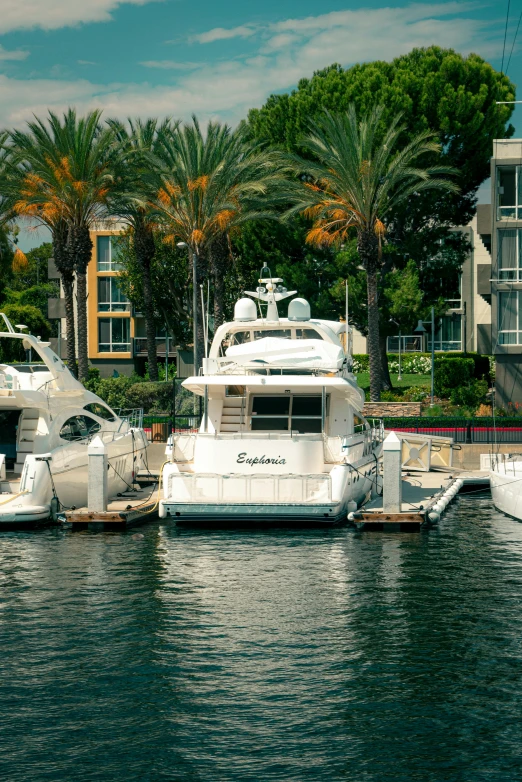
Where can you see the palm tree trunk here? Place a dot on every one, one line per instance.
(81, 315)
(80, 248)
(219, 258)
(201, 274)
(65, 265)
(68, 294)
(374, 352)
(386, 383)
(368, 249)
(145, 250)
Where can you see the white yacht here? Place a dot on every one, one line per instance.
(47, 419)
(282, 436)
(505, 478)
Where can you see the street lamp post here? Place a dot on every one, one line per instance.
(194, 303)
(399, 376)
(421, 330)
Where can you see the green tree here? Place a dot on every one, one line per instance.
(209, 185)
(64, 170)
(436, 90)
(130, 200)
(169, 276)
(34, 271)
(356, 184)
(32, 317)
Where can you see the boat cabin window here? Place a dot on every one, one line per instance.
(100, 410)
(307, 334)
(298, 413)
(79, 427)
(280, 333)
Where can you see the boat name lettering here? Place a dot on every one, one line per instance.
(243, 458)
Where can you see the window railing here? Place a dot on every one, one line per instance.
(140, 346)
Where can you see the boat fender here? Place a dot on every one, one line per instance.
(434, 517)
(55, 509)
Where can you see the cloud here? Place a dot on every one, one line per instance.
(171, 65)
(53, 14)
(283, 54)
(86, 62)
(222, 34)
(17, 54)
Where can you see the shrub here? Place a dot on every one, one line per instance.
(114, 390)
(451, 374)
(471, 394)
(361, 363)
(152, 397)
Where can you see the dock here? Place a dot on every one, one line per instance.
(127, 510)
(425, 496)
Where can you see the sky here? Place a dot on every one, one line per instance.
(218, 59)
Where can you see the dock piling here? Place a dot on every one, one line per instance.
(392, 474)
(97, 469)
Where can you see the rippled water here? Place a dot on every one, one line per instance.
(264, 655)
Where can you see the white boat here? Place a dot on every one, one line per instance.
(282, 436)
(47, 419)
(505, 477)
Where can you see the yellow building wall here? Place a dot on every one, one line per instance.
(92, 303)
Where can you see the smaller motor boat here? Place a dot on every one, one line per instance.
(47, 420)
(505, 477)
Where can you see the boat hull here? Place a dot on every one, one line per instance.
(64, 474)
(506, 489)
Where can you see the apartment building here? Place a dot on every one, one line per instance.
(502, 277)
(115, 330)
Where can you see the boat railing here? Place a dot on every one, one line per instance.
(257, 489)
(229, 366)
(132, 416)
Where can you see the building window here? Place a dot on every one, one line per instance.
(509, 262)
(509, 318)
(114, 335)
(110, 297)
(107, 254)
(448, 333)
(509, 192)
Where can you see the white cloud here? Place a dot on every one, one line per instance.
(53, 14)
(222, 34)
(171, 65)
(86, 62)
(228, 89)
(17, 54)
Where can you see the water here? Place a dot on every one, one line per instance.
(264, 655)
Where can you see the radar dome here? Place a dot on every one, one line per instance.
(299, 309)
(245, 309)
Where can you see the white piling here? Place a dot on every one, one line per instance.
(97, 469)
(392, 474)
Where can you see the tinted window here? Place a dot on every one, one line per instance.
(271, 405)
(306, 405)
(100, 410)
(265, 424)
(79, 427)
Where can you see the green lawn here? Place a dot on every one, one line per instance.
(407, 381)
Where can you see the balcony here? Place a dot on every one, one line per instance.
(140, 347)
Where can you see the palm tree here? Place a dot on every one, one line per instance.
(355, 180)
(65, 171)
(209, 185)
(131, 202)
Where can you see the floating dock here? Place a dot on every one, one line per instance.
(127, 510)
(425, 497)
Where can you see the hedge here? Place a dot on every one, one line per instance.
(480, 370)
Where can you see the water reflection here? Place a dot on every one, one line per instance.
(273, 655)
